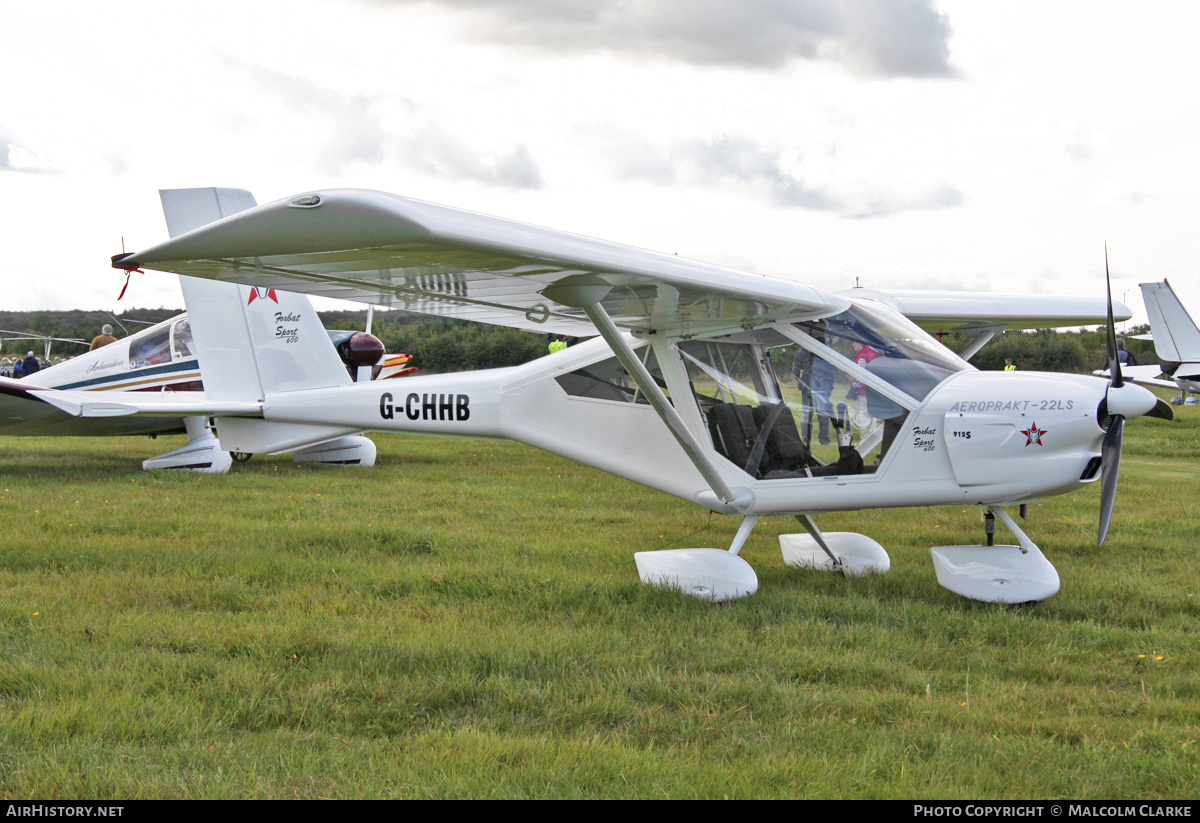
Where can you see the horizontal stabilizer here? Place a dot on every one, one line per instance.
(1187, 371)
(167, 404)
(1143, 375)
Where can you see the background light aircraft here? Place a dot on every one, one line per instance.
(684, 390)
(1176, 342)
(162, 361)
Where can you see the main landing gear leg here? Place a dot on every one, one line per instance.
(202, 453)
(997, 574)
(849, 553)
(709, 574)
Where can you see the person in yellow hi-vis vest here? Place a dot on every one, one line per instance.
(1008, 365)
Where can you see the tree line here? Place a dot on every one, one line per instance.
(77, 324)
(442, 344)
(1079, 352)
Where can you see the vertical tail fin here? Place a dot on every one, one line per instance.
(1176, 338)
(187, 209)
(251, 342)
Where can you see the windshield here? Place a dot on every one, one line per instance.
(891, 346)
(817, 399)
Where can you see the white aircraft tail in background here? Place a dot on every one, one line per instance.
(1176, 342)
(258, 341)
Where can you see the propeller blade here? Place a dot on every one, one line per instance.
(1162, 410)
(1114, 362)
(1110, 468)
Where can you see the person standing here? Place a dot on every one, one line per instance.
(1126, 358)
(30, 365)
(103, 338)
(863, 355)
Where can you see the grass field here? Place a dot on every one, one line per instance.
(465, 620)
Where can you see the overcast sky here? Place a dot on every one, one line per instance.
(899, 143)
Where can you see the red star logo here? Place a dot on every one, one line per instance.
(256, 292)
(1033, 435)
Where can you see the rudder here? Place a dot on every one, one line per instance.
(252, 341)
(1176, 338)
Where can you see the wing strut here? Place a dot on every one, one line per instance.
(586, 292)
(608, 330)
(982, 337)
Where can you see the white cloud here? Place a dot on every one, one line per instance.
(434, 152)
(15, 157)
(981, 146)
(884, 38)
(772, 175)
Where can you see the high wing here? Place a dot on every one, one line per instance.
(969, 313)
(388, 250)
(983, 315)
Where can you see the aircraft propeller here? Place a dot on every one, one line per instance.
(1121, 403)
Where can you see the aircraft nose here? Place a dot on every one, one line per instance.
(1131, 400)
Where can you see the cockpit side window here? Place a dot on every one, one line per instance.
(608, 380)
(776, 409)
(151, 350)
(181, 340)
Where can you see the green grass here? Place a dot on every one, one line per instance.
(465, 620)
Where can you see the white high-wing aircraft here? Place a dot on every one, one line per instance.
(162, 364)
(684, 390)
(1176, 342)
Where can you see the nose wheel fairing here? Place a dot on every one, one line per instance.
(997, 574)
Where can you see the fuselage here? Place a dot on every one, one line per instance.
(158, 359)
(1185, 375)
(929, 429)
